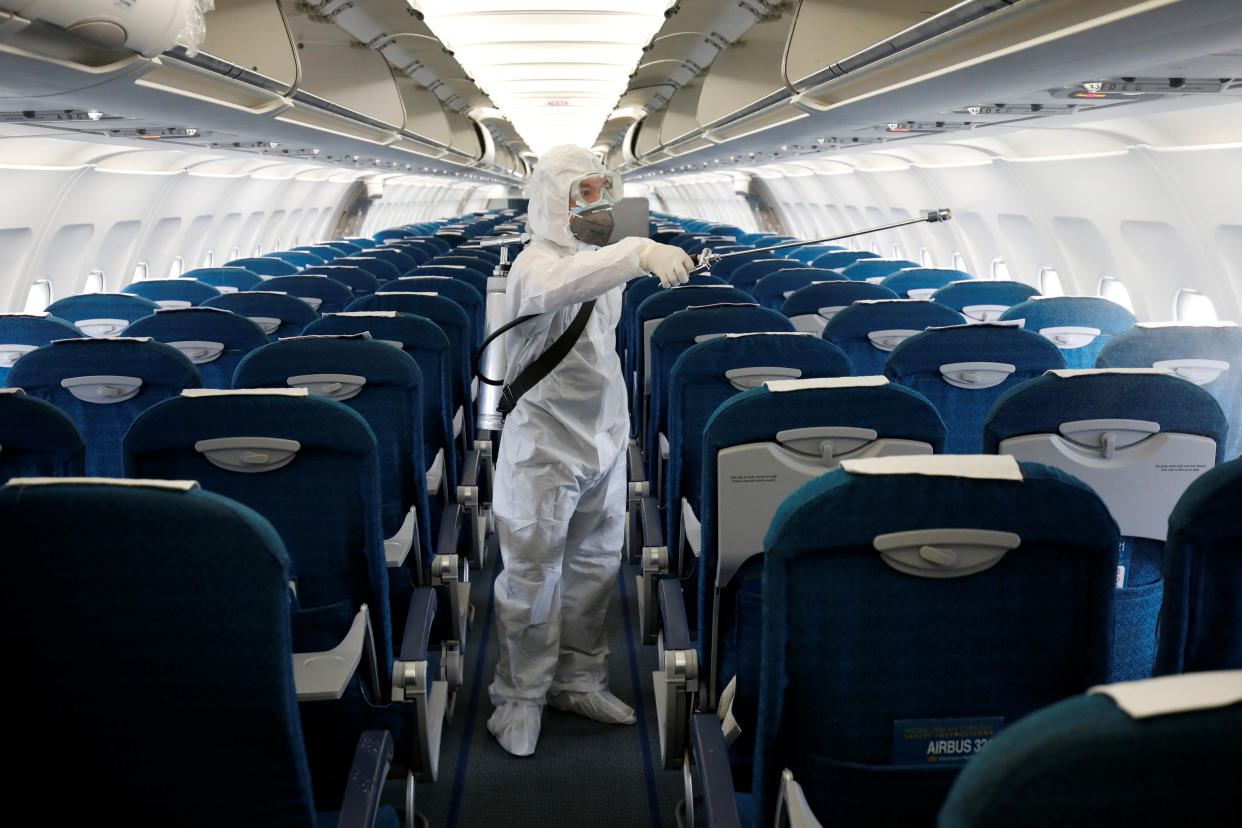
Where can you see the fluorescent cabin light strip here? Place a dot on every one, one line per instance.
(554, 68)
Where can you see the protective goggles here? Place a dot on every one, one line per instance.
(595, 189)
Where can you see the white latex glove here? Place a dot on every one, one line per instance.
(671, 264)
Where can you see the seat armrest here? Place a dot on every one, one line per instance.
(435, 473)
(398, 547)
(416, 637)
(323, 676)
(634, 459)
(792, 802)
(707, 747)
(676, 627)
(653, 530)
(691, 529)
(372, 758)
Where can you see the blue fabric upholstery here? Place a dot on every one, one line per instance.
(921, 279)
(1145, 346)
(839, 259)
(224, 278)
(170, 293)
(107, 308)
(475, 260)
(380, 269)
(265, 266)
(399, 259)
(636, 290)
(187, 329)
(745, 275)
(976, 292)
(37, 439)
(1201, 618)
(1085, 763)
(278, 314)
(916, 362)
(418, 252)
(423, 340)
(724, 268)
(163, 370)
(297, 258)
(1043, 312)
(29, 331)
(811, 252)
(346, 247)
(1041, 405)
(176, 604)
(473, 276)
(772, 290)
(333, 296)
(848, 329)
(862, 270)
(805, 304)
(851, 646)
(680, 331)
(461, 292)
(359, 281)
(326, 252)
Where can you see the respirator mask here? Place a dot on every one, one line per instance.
(590, 212)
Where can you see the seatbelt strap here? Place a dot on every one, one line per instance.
(549, 359)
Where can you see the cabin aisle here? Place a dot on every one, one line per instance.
(582, 773)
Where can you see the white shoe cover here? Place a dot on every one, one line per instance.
(601, 706)
(516, 726)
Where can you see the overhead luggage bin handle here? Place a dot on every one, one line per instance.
(944, 553)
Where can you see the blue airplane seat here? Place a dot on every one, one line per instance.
(323, 293)
(297, 258)
(359, 281)
(324, 251)
(869, 329)
(418, 252)
(176, 602)
(810, 307)
(101, 314)
(875, 268)
(265, 266)
(402, 261)
(393, 233)
(1208, 355)
(1201, 618)
(772, 290)
(1154, 752)
(745, 275)
(451, 238)
(309, 466)
(214, 339)
(840, 259)
(21, 333)
(278, 314)
(912, 608)
(807, 255)
(983, 300)
(461, 292)
(635, 291)
(472, 276)
(37, 439)
(346, 247)
(1079, 325)
(103, 384)
(225, 279)
(965, 369)
(173, 293)
(380, 269)
(479, 258)
(725, 267)
(921, 282)
(1139, 440)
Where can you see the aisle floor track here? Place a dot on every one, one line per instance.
(583, 773)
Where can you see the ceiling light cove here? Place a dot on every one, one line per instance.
(554, 68)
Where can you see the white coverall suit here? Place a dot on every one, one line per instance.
(560, 493)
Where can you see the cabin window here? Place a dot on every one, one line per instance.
(959, 262)
(209, 258)
(175, 269)
(140, 272)
(925, 258)
(94, 282)
(897, 254)
(236, 254)
(1050, 282)
(875, 247)
(278, 247)
(1000, 270)
(1192, 306)
(39, 297)
(1113, 290)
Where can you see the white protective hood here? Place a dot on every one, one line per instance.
(548, 191)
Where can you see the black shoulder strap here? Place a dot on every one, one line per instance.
(548, 360)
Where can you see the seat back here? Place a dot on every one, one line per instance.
(37, 439)
(21, 333)
(863, 270)
(359, 281)
(772, 290)
(473, 276)
(176, 603)
(1210, 356)
(811, 252)
(869, 329)
(1079, 325)
(101, 314)
(810, 307)
(965, 369)
(983, 300)
(214, 339)
(1138, 438)
(895, 594)
(173, 293)
(744, 276)
(1201, 618)
(265, 266)
(103, 384)
(380, 269)
(278, 314)
(225, 279)
(840, 259)
(1156, 752)
(297, 258)
(399, 259)
(461, 292)
(921, 282)
(322, 293)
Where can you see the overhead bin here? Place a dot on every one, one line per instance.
(148, 28)
(681, 114)
(649, 134)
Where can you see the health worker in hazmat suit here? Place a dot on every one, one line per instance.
(560, 492)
